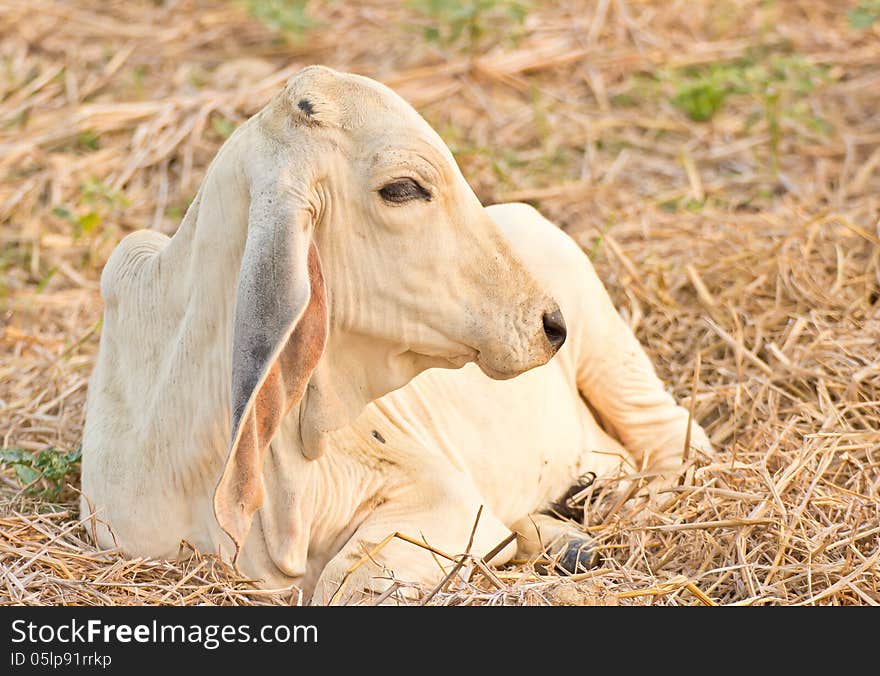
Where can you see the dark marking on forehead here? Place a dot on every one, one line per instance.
(378, 437)
(306, 106)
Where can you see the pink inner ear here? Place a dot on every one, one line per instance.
(240, 492)
(306, 345)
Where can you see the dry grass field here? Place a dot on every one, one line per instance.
(718, 160)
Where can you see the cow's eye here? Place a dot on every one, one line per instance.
(403, 190)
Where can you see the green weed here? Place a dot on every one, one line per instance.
(864, 15)
(287, 17)
(95, 201)
(467, 21)
(87, 140)
(44, 473)
(222, 127)
(700, 99)
(775, 86)
(701, 92)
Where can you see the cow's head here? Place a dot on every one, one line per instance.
(367, 260)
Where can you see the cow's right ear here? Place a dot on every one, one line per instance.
(279, 332)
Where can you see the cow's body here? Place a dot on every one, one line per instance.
(455, 440)
(265, 385)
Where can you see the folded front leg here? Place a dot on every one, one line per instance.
(422, 527)
(415, 557)
(616, 377)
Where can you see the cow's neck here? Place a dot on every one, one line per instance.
(310, 507)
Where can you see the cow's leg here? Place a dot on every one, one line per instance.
(375, 558)
(567, 548)
(431, 503)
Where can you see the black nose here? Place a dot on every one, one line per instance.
(554, 328)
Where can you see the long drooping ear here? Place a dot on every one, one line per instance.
(279, 333)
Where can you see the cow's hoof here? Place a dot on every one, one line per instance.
(574, 555)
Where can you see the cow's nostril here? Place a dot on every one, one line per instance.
(554, 328)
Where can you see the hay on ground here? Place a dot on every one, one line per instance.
(743, 250)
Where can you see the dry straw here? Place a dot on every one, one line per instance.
(743, 250)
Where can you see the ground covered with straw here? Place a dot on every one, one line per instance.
(719, 162)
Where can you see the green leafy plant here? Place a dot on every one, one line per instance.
(701, 92)
(42, 474)
(864, 15)
(466, 21)
(95, 201)
(222, 126)
(82, 223)
(700, 100)
(88, 139)
(776, 86)
(287, 17)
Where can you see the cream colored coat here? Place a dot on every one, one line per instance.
(333, 254)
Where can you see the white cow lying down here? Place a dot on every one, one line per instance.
(333, 253)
